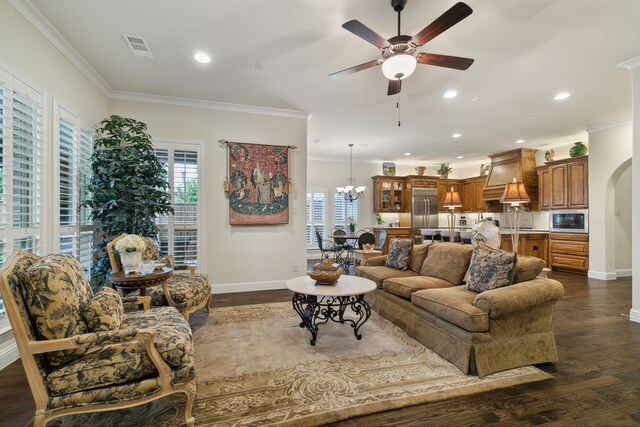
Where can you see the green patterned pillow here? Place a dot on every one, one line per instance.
(105, 311)
(490, 269)
(399, 253)
(57, 293)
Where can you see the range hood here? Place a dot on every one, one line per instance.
(519, 164)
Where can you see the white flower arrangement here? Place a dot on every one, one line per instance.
(130, 243)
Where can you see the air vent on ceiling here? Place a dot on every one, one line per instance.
(138, 46)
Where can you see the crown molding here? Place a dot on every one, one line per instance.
(609, 125)
(42, 24)
(630, 64)
(211, 105)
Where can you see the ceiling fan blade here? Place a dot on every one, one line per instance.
(456, 62)
(366, 33)
(394, 87)
(355, 69)
(451, 17)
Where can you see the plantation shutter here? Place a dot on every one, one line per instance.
(75, 145)
(316, 217)
(343, 210)
(21, 163)
(185, 205)
(178, 233)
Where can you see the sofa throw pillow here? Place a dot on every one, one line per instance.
(527, 268)
(57, 293)
(490, 269)
(418, 255)
(105, 311)
(399, 255)
(447, 261)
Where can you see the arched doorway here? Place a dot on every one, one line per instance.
(620, 232)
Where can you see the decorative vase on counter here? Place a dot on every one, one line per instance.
(550, 155)
(578, 149)
(420, 170)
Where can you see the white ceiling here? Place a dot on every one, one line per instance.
(278, 54)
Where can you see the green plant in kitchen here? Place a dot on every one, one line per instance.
(128, 187)
(444, 170)
(379, 219)
(352, 224)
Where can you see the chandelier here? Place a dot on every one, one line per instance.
(351, 193)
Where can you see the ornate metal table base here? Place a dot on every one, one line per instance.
(315, 311)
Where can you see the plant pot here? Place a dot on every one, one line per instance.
(578, 149)
(420, 170)
(444, 176)
(130, 261)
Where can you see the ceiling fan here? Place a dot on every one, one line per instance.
(398, 53)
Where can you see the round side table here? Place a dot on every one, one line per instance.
(132, 282)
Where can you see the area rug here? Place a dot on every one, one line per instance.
(255, 367)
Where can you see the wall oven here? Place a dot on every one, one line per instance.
(569, 221)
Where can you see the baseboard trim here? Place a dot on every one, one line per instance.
(602, 275)
(225, 288)
(8, 353)
(634, 315)
(627, 272)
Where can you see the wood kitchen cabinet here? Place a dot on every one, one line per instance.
(529, 244)
(564, 184)
(544, 188)
(392, 232)
(569, 251)
(445, 185)
(389, 194)
(472, 199)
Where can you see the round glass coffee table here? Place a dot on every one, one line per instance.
(317, 304)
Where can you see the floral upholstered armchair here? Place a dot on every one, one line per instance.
(186, 290)
(81, 352)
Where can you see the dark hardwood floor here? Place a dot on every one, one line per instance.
(597, 380)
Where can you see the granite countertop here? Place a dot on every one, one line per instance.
(527, 231)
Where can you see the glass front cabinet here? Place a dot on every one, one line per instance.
(389, 194)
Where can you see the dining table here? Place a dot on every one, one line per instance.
(351, 241)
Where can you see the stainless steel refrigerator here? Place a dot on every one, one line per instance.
(424, 211)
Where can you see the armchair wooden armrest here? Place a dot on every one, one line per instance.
(105, 338)
(190, 268)
(144, 301)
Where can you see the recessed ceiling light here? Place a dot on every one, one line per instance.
(407, 154)
(450, 94)
(520, 141)
(460, 157)
(202, 57)
(475, 98)
(561, 96)
(456, 135)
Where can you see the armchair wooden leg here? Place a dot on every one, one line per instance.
(190, 390)
(40, 420)
(209, 304)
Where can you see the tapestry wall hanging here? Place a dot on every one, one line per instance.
(258, 183)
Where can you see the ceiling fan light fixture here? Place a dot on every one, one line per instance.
(399, 66)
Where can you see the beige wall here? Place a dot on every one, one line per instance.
(635, 184)
(622, 220)
(236, 257)
(609, 149)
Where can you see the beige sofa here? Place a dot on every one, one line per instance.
(480, 333)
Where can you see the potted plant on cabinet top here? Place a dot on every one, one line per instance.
(444, 170)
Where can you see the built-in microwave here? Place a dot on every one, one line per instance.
(569, 221)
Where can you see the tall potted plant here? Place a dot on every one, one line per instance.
(129, 186)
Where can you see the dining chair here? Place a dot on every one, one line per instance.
(365, 238)
(333, 249)
(382, 237)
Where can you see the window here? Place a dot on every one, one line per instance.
(179, 233)
(21, 157)
(342, 211)
(315, 218)
(75, 145)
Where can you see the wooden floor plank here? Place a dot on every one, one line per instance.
(597, 380)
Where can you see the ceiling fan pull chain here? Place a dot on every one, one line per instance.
(398, 108)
